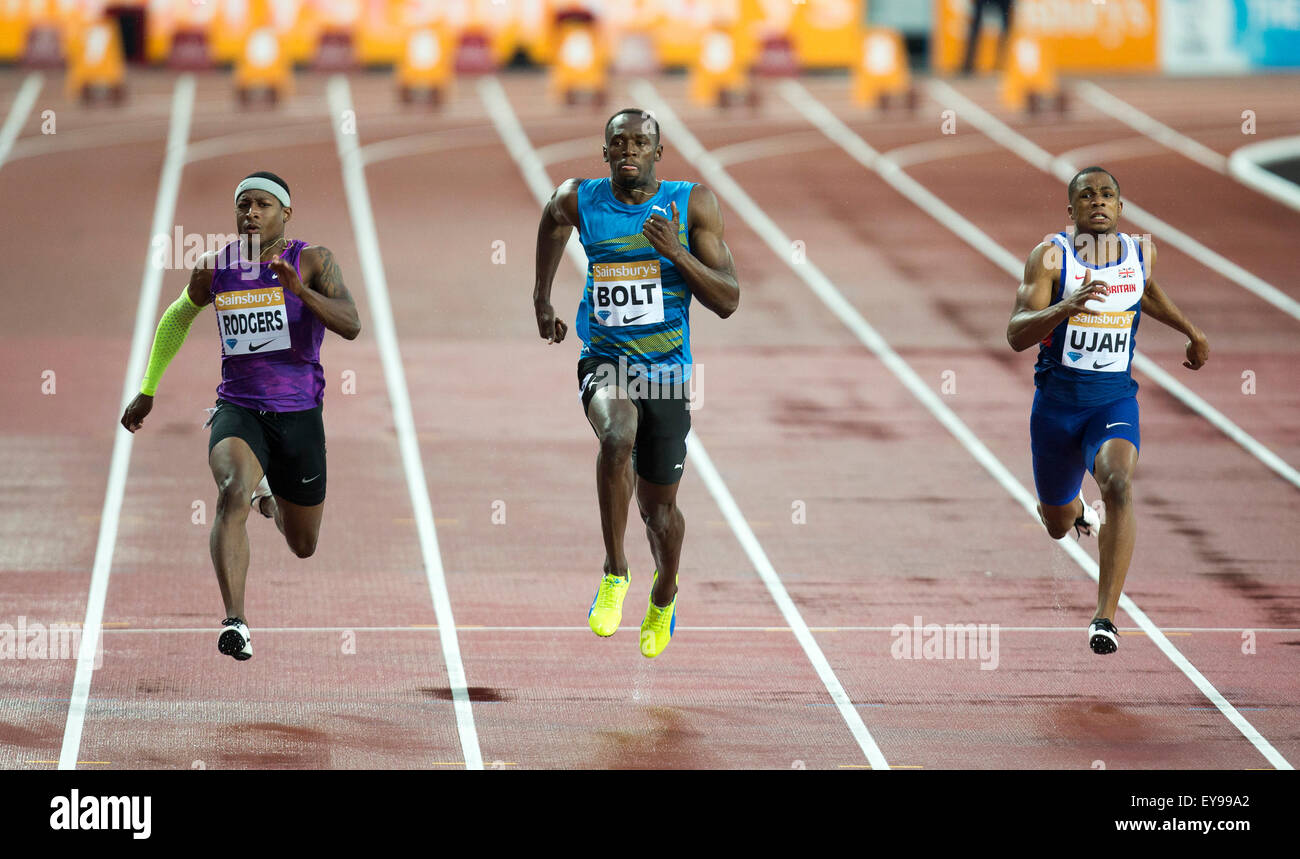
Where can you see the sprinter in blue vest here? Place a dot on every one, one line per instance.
(1080, 301)
(651, 246)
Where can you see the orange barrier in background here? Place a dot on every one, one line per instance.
(1081, 35)
(717, 74)
(880, 71)
(487, 33)
(95, 62)
(42, 30)
(580, 63)
(1030, 77)
(826, 33)
(425, 70)
(263, 67)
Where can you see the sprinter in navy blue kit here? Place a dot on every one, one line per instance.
(1081, 300)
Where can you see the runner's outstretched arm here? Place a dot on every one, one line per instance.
(325, 294)
(707, 267)
(1160, 307)
(172, 330)
(559, 217)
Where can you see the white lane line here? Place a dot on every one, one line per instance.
(18, 112)
(937, 150)
(428, 141)
(381, 311)
(164, 211)
(521, 151)
(257, 140)
(763, 226)
(1113, 150)
(1064, 170)
(730, 510)
(766, 147)
(1245, 164)
(831, 125)
(1072, 630)
(568, 150)
(114, 134)
(1148, 125)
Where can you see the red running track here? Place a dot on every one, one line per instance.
(901, 522)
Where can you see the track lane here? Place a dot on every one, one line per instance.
(506, 429)
(310, 700)
(61, 287)
(771, 185)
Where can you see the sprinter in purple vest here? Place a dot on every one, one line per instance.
(274, 298)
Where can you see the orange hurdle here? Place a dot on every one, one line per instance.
(580, 64)
(717, 74)
(1030, 77)
(880, 72)
(96, 65)
(263, 68)
(424, 71)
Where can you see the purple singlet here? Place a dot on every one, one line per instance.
(270, 342)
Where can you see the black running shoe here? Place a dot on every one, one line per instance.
(1103, 637)
(235, 639)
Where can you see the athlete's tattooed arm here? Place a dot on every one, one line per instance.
(559, 217)
(1160, 307)
(325, 293)
(707, 267)
(1034, 316)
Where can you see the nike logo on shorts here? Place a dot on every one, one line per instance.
(1119, 424)
(309, 480)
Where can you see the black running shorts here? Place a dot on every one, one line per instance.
(663, 418)
(289, 445)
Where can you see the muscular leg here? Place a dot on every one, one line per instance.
(1113, 468)
(237, 472)
(666, 527)
(299, 525)
(1059, 520)
(614, 418)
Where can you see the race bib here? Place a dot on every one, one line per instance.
(252, 321)
(627, 293)
(1100, 342)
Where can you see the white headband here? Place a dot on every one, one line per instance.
(270, 186)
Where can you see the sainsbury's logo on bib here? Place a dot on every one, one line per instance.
(252, 320)
(627, 293)
(1101, 342)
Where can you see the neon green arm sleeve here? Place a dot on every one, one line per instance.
(167, 340)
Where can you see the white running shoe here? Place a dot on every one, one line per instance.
(235, 639)
(1089, 524)
(1103, 637)
(263, 490)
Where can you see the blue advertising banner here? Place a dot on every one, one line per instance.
(1268, 32)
